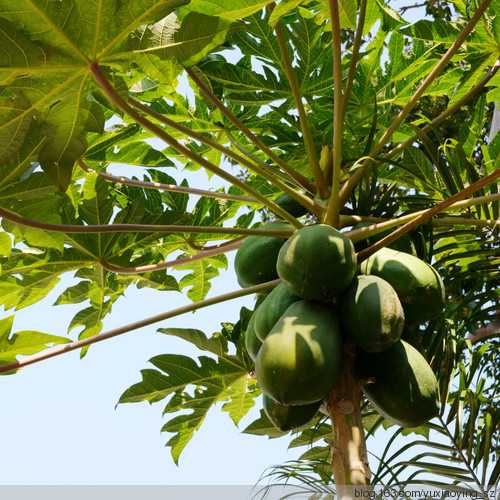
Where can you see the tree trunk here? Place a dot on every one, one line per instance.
(348, 449)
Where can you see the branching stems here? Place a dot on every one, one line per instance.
(50, 353)
(225, 244)
(312, 206)
(303, 181)
(304, 124)
(351, 183)
(428, 214)
(140, 228)
(165, 187)
(180, 148)
(217, 250)
(270, 176)
(384, 224)
(333, 210)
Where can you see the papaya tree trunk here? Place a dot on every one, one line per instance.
(349, 457)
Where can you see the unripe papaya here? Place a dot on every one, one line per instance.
(299, 361)
(418, 285)
(255, 260)
(317, 262)
(372, 316)
(252, 342)
(404, 388)
(292, 206)
(288, 417)
(270, 311)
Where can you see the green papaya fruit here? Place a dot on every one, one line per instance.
(405, 389)
(252, 342)
(317, 262)
(418, 285)
(292, 206)
(255, 260)
(288, 417)
(403, 244)
(270, 311)
(372, 315)
(299, 360)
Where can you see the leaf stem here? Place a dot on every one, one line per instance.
(166, 187)
(351, 183)
(427, 214)
(198, 248)
(269, 176)
(304, 124)
(140, 228)
(313, 206)
(50, 353)
(303, 181)
(333, 210)
(355, 54)
(384, 224)
(161, 134)
(219, 249)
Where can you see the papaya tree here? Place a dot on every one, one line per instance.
(340, 132)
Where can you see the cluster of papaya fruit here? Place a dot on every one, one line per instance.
(325, 299)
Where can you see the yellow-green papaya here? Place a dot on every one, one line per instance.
(288, 417)
(255, 260)
(292, 206)
(299, 360)
(372, 315)
(404, 388)
(418, 285)
(317, 262)
(252, 342)
(271, 309)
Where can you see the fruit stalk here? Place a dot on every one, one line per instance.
(349, 457)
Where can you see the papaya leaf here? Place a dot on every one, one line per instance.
(118, 34)
(347, 13)
(203, 271)
(140, 154)
(159, 280)
(5, 244)
(214, 380)
(227, 9)
(23, 343)
(315, 433)
(14, 123)
(217, 344)
(316, 453)
(282, 9)
(241, 396)
(264, 427)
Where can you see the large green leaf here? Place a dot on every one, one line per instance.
(222, 379)
(47, 69)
